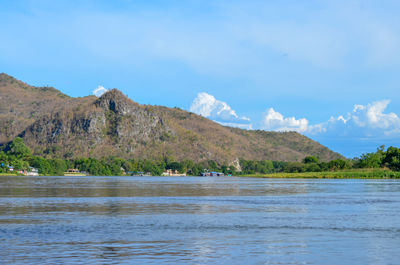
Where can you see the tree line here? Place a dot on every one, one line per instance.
(19, 156)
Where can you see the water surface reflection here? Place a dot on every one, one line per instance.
(125, 220)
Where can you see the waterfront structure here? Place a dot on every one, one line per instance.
(175, 173)
(32, 172)
(212, 174)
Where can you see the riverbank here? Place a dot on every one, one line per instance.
(8, 174)
(348, 174)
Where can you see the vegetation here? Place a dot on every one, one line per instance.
(353, 174)
(381, 164)
(309, 164)
(19, 156)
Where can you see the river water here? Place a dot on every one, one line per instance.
(194, 220)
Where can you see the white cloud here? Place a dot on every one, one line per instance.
(362, 130)
(367, 121)
(99, 91)
(274, 121)
(208, 106)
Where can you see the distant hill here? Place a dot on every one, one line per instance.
(56, 125)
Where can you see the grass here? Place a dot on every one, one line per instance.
(8, 174)
(346, 174)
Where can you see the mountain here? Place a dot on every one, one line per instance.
(56, 125)
(22, 104)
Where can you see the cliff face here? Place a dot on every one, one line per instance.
(115, 125)
(110, 125)
(21, 105)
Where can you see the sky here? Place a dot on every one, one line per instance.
(328, 69)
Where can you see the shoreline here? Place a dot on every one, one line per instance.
(375, 174)
(9, 175)
(348, 174)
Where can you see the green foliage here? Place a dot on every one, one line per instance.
(212, 165)
(19, 156)
(175, 166)
(294, 167)
(42, 165)
(353, 174)
(392, 158)
(58, 166)
(371, 160)
(93, 166)
(312, 167)
(248, 167)
(339, 164)
(3, 162)
(149, 166)
(18, 148)
(251, 167)
(310, 159)
(265, 166)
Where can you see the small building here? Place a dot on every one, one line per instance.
(75, 172)
(212, 174)
(173, 173)
(34, 172)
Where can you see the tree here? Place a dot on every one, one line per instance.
(42, 164)
(264, 167)
(339, 164)
(232, 170)
(279, 166)
(153, 168)
(312, 167)
(59, 166)
(19, 164)
(175, 166)
(18, 148)
(392, 158)
(294, 167)
(3, 161)
(248, 166)
(196, 170)
(212, 165)
(370, 160)
(311, 159)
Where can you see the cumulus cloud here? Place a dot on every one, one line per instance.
(275, 121)
(368, 121)
(99, 91)
(365, 121)
(208, 106)
(360, 130)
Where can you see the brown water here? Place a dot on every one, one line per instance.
(193, 220)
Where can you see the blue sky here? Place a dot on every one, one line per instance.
(328, 69)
